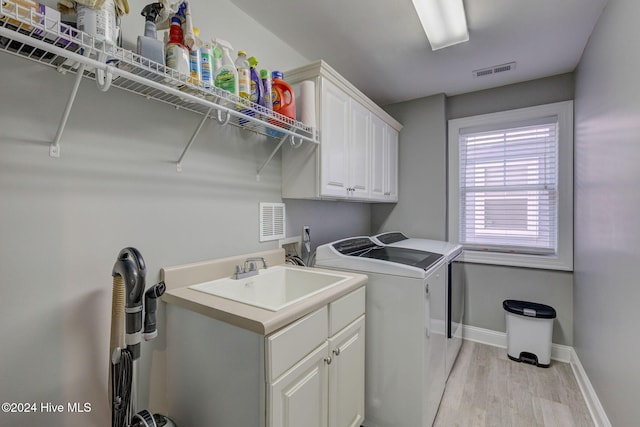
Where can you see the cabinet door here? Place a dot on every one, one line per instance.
(378, 158)
(334, 178)
(299, 396)
(359, 145)
(391, 173)
(346, 376)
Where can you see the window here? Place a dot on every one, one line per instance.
(510, 186)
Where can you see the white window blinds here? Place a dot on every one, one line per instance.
(508, 188)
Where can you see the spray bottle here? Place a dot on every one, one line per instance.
(217, 59)
(226, 77)
(148, 45)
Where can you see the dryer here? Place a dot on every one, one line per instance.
(455, 284)
(405, 332)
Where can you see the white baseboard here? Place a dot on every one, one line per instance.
(600, 418)
(561, 353)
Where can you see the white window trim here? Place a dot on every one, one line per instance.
(563, 260)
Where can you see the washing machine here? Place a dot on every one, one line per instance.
(405, 320)
(455, 284)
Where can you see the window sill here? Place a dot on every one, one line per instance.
(543, 262)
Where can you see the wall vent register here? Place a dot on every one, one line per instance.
(272, 221)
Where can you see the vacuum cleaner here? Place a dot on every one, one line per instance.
(129, 273)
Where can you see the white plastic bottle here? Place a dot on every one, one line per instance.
(244, 75)
(177, 54)
(194, 59)
(226, 77)
(206, 65)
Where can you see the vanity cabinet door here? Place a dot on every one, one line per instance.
(300, 396)
(346, 376)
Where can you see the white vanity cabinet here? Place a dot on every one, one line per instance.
(309, 373)
(297, 387)
(358, 151)
(325, 387)
(346, 376)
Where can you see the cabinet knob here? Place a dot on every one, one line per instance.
(336, 351)
(327, 360)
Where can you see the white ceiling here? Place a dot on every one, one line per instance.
(380, 47)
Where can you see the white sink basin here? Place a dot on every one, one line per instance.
(273, 288)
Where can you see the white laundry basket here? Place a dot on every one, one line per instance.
(529, 331)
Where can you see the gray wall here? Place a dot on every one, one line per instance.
(328, 221)
(421, 211)
(63, 221)
(607, 231)
(535, 92)
(488, 286)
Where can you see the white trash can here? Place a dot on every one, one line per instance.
(529, 331)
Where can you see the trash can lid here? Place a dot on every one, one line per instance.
(531, 309)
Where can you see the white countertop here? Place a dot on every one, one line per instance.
(179, 278)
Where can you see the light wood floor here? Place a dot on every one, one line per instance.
(486, 389)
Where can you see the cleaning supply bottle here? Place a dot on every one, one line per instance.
(226, 77)
(206, 64)
(194, 59)
(244, 75)
(267, 100)
(217, 59)
(257, 89)
(284, 100)
(148, 45)
(177, 53)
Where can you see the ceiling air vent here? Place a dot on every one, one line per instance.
(496, 69)
(272, 221)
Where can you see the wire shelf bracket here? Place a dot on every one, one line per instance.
(193, 138)
(294, 144)
(54, 148)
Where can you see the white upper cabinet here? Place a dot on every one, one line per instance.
(359, 146)
(357, 155)
(335, 165)
(384, 161)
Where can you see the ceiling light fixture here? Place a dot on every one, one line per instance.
(443, 21)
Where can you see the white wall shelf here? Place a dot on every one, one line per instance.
(29, 34)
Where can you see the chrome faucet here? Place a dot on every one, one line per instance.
(249, 268)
